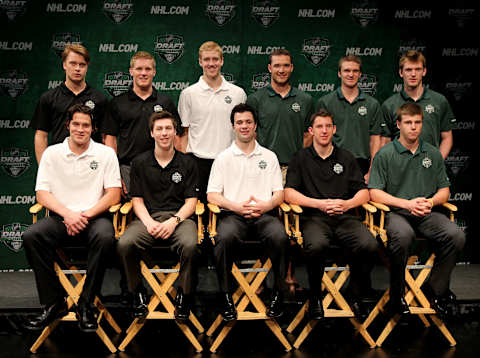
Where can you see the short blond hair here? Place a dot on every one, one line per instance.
(78, 49)
(144, 55)
(210, 46)
(413, 56)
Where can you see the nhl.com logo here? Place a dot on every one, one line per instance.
(220, 11)
(118, 10)
(59, 41)
(13, 83)
(169, 47)
(265, 12)
(14, 161)
(117, 82)
(316, 50)
(12, 236)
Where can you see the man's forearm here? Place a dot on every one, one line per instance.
(40, 142)
(111, 197)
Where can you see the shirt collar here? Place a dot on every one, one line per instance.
(314, 153)
(361, 95)
(425, 95)
(68, 152)
(133, 96)
(154, 162)
(271, 92)
(401, 149)
(66, 90)
(237, 151)
(204, 85)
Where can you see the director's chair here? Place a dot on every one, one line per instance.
(161, 281)
(334, 277)
(249, 280)
(415, 298)
(66, 266)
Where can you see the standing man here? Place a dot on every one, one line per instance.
(246, 182)
(51, 112)
(205, 109)
(77, 180)
(164, 194)
(438, 118)
(327, 181)
(283, 111)
(409, 175)
(126, 122)
(358, 116)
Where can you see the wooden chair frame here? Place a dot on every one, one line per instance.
(249, 280)
(415, 298)
(161, 281)
(333, 279)
(74, 290)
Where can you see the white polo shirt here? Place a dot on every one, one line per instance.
(238, 176)
(78, 181)
(206, 113)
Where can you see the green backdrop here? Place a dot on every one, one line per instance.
(33, 33)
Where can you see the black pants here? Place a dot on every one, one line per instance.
(320, 231)
(233, 229)
(444, 236)
(43, 238)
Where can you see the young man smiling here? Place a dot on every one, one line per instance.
(164, 194)
(246, 182)
(77, 180)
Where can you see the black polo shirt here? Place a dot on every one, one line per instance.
(164, 189)
(51, 110)
(127, 119)
(336, 177)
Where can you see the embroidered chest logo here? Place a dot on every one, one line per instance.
(94, 165)
(338, 168)
(296, 107)
(157, 108)
(427, 162)
(429, 108)
(176, 177)
(262, 164)
(90, 104)
(228, 99)
(362, 110)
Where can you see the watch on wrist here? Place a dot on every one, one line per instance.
(178, 219)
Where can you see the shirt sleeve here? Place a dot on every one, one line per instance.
(135, 181)
(308, 114)
(378, 174)
(216, 179)
(42, 117)
(448, 120)
(110, 122)
(45, 169)
(192, 189)
(184, 108)
(376, 120)
(170, 106)
(386, 125)
(294, 178)
(111, 177)
(277, 184)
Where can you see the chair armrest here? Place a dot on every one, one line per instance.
(369, 208)
(450, 207)
(114, 208)
(379, 206)
(199, 210)
(35, 208)
(126, 208)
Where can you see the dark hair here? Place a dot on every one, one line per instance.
(161, 115)
(243, 107)
(78, 49)
(412, 56)
(280, 52)
(80, 108)
(409, 109)
(321, 113)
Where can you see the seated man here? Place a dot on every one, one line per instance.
(409, 175)
(164, 190)
(246, 182)
(77, 180)
(328, 183)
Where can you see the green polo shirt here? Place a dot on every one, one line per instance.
(282, 121)
(438, 116)
(355, 121)
(402, 174)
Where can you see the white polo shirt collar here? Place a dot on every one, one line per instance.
(68, 152)
(237, 151)
(204, 85)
